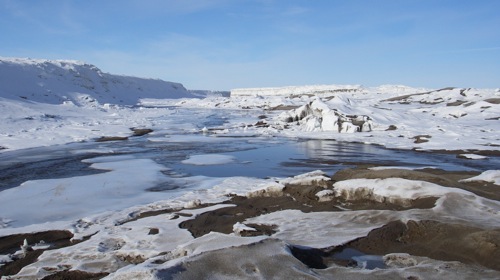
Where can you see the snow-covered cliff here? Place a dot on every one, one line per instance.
(59, 81)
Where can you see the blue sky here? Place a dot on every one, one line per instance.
(224, 44)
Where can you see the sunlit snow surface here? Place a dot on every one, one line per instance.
(488, 176)
(194, 156)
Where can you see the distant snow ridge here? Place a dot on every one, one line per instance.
(59, 81)
(317, 116)
(210, 93)
(295, 90)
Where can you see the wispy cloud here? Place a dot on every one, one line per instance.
(295, 11)
(52, 19)
(171, 6)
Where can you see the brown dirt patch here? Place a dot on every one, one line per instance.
(56, 238)
(15, 266)
(296, 197)
(436, 240)
(10, 244)
(111, 138)
(222, 220)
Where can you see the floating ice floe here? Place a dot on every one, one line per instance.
(472, 156)
(209, 159)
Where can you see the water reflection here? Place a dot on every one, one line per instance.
(255, 157)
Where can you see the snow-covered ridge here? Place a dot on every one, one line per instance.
(294, 90)
(59, 81)
(319, 90)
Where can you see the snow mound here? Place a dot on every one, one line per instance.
(393, 190)
(59, 81)
(317, 116)
(492, 176)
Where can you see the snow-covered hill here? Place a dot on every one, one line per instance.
(59, 81)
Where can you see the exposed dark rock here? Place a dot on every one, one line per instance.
(493, 100)
(111, 138)
(421, 139)
(141, 131)
(391, 127)
(153, 231)
(456, 103)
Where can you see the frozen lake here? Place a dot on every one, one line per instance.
(259, 157)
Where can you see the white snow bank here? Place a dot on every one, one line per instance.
(238, 228)
(317, 177)
(492, 176)
(306, 178)
(390, 189)
(213, 241)
(328, 228)
(473, 156)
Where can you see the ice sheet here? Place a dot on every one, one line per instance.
(209, 159)
(71, 198)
